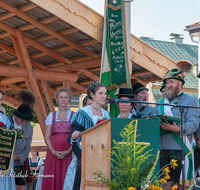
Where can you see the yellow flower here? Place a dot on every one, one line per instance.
(155, 187)
(131, 188)
(163, 180)
(173, 163)
(175, 187)
(166, 170)
(167, 176)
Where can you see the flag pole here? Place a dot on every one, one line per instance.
(128, 30)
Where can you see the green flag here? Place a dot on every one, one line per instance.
(114, 62)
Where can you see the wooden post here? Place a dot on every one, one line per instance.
(39, 107)
(48, 95)
(42, 95)
(66, 84)
(3, 88)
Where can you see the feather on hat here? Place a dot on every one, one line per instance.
(184, 66)
(26, 96)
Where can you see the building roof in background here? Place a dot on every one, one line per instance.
(175, 51)
(178, 52)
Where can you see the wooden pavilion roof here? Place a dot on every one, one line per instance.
(46, 44)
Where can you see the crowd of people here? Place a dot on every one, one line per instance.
(63, 128)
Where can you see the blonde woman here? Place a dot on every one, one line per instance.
(58, 127)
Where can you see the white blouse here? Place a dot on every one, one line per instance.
(48, 121)
(129, 116)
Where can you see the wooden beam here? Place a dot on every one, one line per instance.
(37, 45)
(12, 100)
(42, 95)
(78, 87)
(39, 74)
(40, 107)
(86, 82)
(15, 51)
(20, 58)
(7, 28)
(47, 29)
(3, 88)
(72, 12)
(47, 95)
(138, 80)
(31, 26)
(95, 69)
(38, 148)
(12, 80)
(13, 62)
(9, 104)
(90, 74)
(52, 91)
(63, 48)
(9, 15)
(67, 32)
(38, 65)
(66, 84)
(152, 80)
(141, 73)
(46, 50)
(79, 65)
(76, 92)
(15, 87)
(74, 61)
(2, 51)
(7, 48)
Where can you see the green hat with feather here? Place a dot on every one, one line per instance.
(175, 74)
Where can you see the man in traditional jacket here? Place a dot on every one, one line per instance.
(170, 143)
(140, 93)
(19, 122)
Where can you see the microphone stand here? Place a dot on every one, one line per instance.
(181, 109)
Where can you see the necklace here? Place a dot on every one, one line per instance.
(63, 109)
(95, 108)
(123, 115)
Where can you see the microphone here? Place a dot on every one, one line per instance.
(113, 100)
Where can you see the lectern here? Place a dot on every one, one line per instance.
(98, 139)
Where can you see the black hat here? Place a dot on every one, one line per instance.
(127, 92)
(175, 74)
(138, 87)
(163, 86)
(24, 112)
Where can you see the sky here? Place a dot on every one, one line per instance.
(159, 18)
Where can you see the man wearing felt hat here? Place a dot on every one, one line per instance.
(170, 143)
(19, 122)
(140, 93)
(125, 107)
